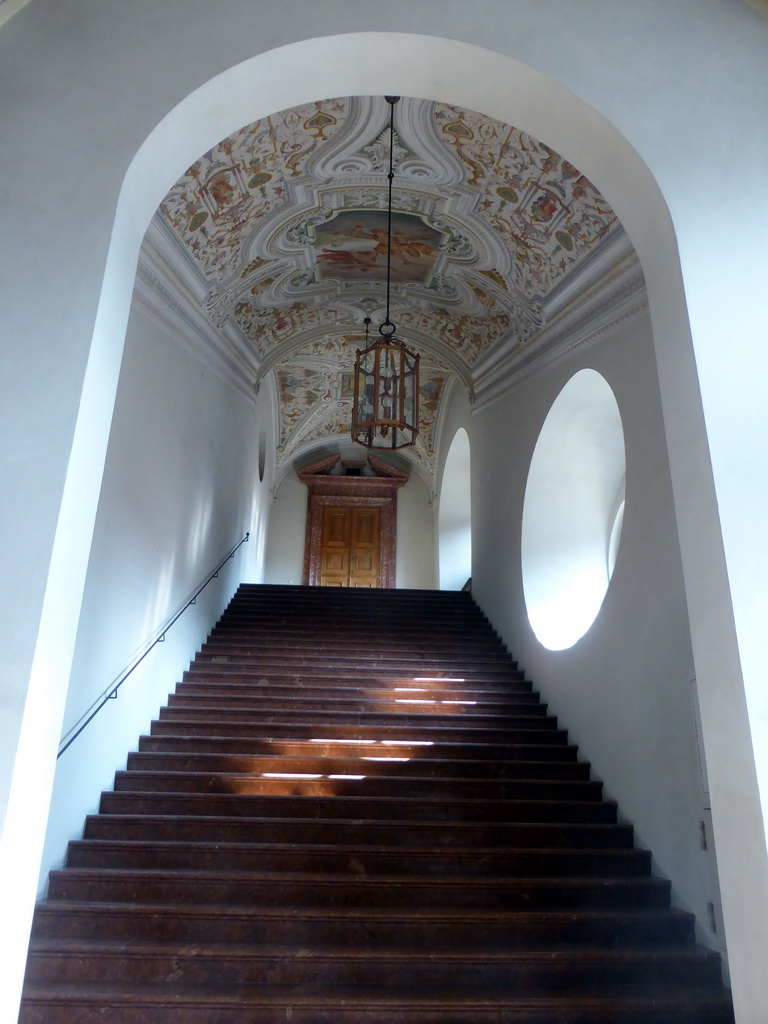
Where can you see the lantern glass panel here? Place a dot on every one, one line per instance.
(386, 403)
(365, 387)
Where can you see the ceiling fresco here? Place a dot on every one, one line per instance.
(281, 230)
(315, 388)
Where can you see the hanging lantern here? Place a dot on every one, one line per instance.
(385, 412)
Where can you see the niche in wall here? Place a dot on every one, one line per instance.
(455, 516)
(572, 511)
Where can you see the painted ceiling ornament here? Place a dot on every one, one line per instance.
(385, 408)
(280, 236)
(378, 151)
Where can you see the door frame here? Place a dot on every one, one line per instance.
(377, 491)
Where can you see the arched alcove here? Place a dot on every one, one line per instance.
(455, 516)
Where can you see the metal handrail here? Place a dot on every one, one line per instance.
(112, 695)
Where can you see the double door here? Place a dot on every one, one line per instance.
(350, 547)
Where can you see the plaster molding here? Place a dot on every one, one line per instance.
(439, 429)
(176, 318)
(273, 241)
(573, 333)
(182, 284)
(342, 446)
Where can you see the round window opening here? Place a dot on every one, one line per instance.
(573, 511)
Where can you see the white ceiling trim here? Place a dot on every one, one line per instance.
(621, 299)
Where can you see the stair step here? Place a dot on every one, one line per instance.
(449, 647)
(222, 742)
(505, 892)
(547, 761)
(395, 660)
(526, 701)
(267, 963)
(397, 929)
(386, 701)
(466, 836)
(372, 786)
(176, 721)
(323, 634)
(360, 807)
(358, 859)
(404, 716)
(174, 1004)
(218, 673)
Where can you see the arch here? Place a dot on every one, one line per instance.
(454, 523)
(514, 92)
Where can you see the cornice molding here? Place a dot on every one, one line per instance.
(615, 303)
(152, 295)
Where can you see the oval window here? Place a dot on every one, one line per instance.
(571, 525)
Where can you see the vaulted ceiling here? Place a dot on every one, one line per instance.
(271, 249)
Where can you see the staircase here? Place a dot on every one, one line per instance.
(354, 808)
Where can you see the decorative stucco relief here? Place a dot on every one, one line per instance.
(547, 212)
(284, 224)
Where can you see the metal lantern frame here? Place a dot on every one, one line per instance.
(385, 410)
(385, 413)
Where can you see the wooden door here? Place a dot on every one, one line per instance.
(350, 547)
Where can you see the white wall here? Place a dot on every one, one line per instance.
(287, 528)
(455, 515)
(416, 565)
(415, 556)
(180, 489)
(623, 690)
(106, 103)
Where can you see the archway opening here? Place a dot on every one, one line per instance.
(455, 516)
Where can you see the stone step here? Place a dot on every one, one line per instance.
(467, 643)
(360, 807)
(267, 963)
(203, 722)
(495, 694)
(244, 783)
(276, 888)
(376, 929)
(459, 835)
(378, 672)
(359, 860)
(171, 1003)
(531, 761)
(404, 716)
(390, 704)
(240, 740)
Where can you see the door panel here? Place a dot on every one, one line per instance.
(336, 527)
(350, 551)
(364, 547)
(334, 547)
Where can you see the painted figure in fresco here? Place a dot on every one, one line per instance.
(353, 245)
(543, 208)
(220, 190)
(364, 246)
